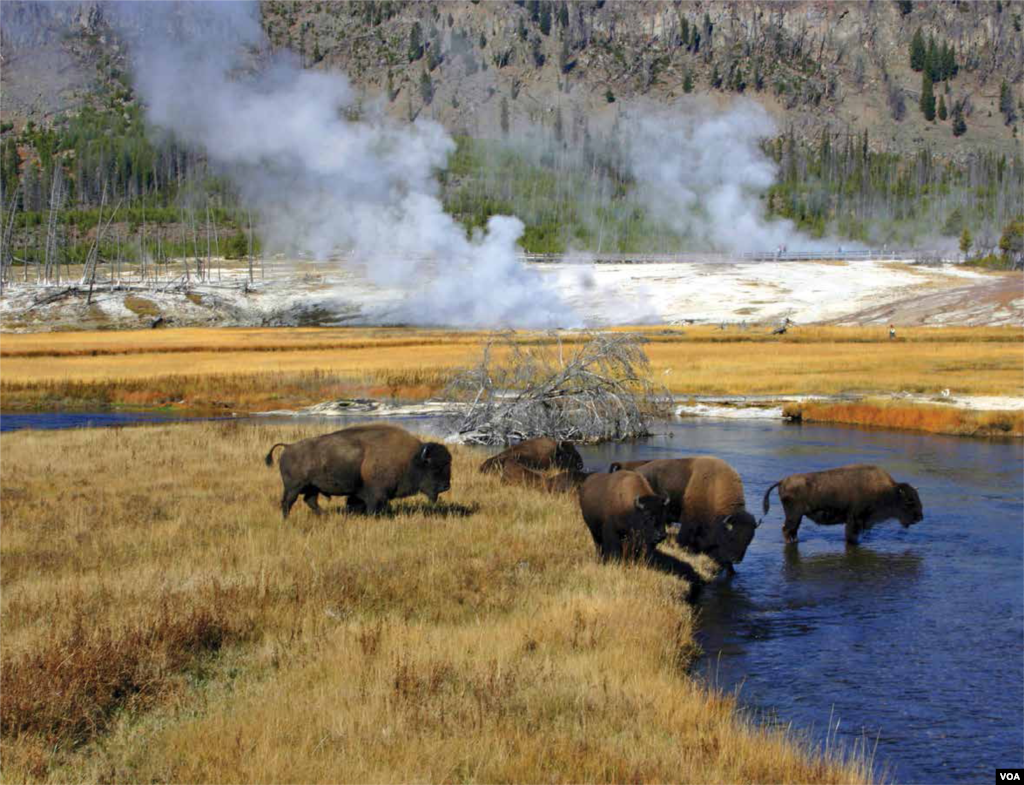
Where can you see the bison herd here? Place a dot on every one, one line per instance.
(626, 509)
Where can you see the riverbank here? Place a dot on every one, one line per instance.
(160, 623)
(224, 371)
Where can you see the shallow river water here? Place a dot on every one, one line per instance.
(913, 640)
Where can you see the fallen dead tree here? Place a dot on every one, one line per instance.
(592, 388)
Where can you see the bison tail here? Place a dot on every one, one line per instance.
(269, 460)
(766, 494)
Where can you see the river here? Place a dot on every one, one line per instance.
(913, 640)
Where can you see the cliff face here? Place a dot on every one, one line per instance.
(810, 63)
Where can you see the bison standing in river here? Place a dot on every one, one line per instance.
(859, 496)
(541, 452)
(370, 464)
(623, 514)
(706, 497)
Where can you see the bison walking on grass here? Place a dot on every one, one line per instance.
(369, 464)
(858, 496)
(623, 513)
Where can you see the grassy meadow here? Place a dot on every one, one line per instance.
(262, 369)
(161, 623)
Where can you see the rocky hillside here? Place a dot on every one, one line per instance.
(471, 64)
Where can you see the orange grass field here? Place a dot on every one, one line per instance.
(260, 369)
(161, 624)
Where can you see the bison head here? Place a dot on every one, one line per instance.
(651, 519)
(434, 464)
(731, 537)
(566, 457)
(911, 511)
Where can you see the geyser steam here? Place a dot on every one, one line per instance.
(701, 172)
(325, 182)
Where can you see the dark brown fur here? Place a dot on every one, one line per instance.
(542, 452)
(370, 464)
(858, 496)
(623, 514)
(706, 497)
(513, 473)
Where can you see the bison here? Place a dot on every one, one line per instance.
(542, 452)
(706, 497)
(370, 464)
(513, 473)
(859, 496)
(623, 514)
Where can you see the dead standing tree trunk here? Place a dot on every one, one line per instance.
(594, 388)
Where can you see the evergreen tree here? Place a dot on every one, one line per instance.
(942, 107)
(965, 241)
(716, 78)
(426, 87)
(504, 116)
(951, 67)
(545, 19)
(564, 56)
(559, 127)
(917, 51)
(609, 96)
(686, 32)
(959, 126)
(927, 97)
(687, 82)
(563, 14)
(931, 59)
(1006, 103)
(415, 42)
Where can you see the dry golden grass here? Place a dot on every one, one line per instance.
(916, 417)
(188, 365)
(161, 623)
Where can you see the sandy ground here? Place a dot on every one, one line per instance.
(869, 292)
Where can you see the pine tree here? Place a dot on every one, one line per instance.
(563, 14)
(426, 87)
(687, 82)
(917, 51)
(716, 78)
(931, 59)
(965, 241)
(959, 126)
(942, 107)
(927, 97)
(559, 127)
(1006, 103)
(504, 116)
(686, 33)
(415, 42)
(545, 19)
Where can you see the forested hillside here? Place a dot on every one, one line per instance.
(895, 122)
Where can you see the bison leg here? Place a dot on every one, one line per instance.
(355, 505)
(854, 527)
(790, 527)
(310, 498)
(287, 500)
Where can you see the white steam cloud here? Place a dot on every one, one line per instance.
(324, 182)
(701, 171)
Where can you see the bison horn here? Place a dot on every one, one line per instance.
(424, 452)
